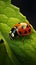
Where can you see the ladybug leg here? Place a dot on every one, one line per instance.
(18, 37)
(10, 36)
(23, 40)
(29, 37)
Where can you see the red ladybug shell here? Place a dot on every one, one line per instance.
(23, 29)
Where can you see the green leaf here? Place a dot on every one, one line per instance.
(2, 6)
(15, 51)
(3, 18)
(7, 1)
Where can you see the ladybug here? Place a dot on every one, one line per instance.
(20, 29)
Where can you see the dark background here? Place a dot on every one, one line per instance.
(27, 8)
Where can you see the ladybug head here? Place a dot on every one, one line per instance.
(13, 32)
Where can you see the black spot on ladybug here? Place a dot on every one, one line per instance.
(18, 23)
(29, 30)
(25, 32)
(20, 32)
(22, 27)
(1, 41)
(16, 27)
(27, 26)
